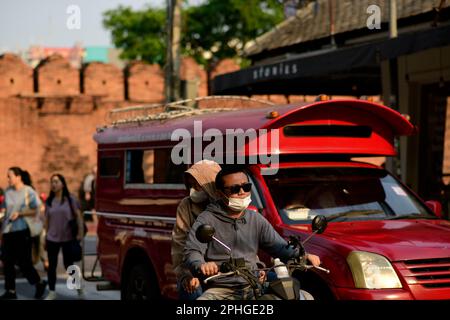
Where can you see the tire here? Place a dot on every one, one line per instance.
(139, 285)
(305, 295)
(315, 286)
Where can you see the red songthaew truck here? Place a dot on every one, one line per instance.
(382, 241)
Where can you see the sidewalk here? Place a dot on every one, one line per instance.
(26, 292)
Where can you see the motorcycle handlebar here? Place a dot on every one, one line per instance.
(220, 274)
(224, 274)
(318, 268)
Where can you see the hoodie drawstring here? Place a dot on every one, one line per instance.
(235, 222)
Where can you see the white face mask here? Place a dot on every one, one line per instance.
(238, 204)
(198, 196)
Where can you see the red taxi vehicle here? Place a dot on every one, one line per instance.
(382, 240)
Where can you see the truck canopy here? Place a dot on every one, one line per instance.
(339, 127)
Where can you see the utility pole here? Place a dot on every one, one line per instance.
(393, 103)
(172, 68)
(393, 19)
(394, 165)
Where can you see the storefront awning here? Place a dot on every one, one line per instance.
(345, 71)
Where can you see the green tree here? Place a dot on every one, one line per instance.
(212, 30)
(220, 29)
(140, 34)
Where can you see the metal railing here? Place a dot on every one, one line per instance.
(92, 277)
(182, 108)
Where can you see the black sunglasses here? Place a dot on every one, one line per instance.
(234, 189)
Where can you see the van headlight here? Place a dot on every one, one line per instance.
(372, 271)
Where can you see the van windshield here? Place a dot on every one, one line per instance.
(342, 194)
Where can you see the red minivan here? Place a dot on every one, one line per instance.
(382, 240)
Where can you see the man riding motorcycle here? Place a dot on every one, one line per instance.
(244, 231)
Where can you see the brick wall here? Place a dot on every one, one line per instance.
(103, 79)
(224, 66)
(190, 70)
(47, 143)
(145, 82)
(55, 75)
(15, 76)
(23, 139)
(56, 136)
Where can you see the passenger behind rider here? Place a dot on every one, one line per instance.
(244, 231)
(199, 180)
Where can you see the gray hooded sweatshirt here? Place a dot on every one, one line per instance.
(245, 236)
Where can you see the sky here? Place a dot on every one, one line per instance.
(44, 22)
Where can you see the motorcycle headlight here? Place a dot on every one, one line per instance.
(372, 271)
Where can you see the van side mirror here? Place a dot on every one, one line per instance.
(436, 207)
(319, 224)
(205, 233)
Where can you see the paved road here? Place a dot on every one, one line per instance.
(25, 291)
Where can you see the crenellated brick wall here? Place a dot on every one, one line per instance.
(15, 76)
(103, 79)
(47, 143)
(55, 76)
(49, 128)
(138, 82)
(145, 82)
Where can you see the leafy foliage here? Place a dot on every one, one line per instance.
(140, 34)
(212, 30)
(221, 28)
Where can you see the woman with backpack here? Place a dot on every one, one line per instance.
(62, 213)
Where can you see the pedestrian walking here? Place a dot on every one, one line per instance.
(62, 213)
(20, 202)
(87, 195)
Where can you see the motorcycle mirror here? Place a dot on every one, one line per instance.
(319, 224)
(205, 233)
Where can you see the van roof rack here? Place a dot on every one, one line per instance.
(177, 109)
